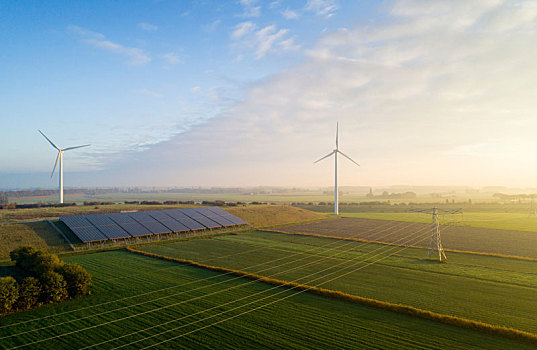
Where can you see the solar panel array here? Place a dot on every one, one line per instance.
(101, 227)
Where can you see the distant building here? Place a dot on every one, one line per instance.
(370, 194)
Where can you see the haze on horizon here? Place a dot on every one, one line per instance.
(248, 93)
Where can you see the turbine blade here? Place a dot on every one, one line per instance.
(54, 169)
(52, 143)
(328, 155)
(349, 158)
(70, 148)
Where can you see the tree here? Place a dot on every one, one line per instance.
(77, 278)
(9, 292)
(43, 262)
(22, 257)
(29, 290)
(53, 287)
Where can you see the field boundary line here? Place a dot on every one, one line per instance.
(61, 233)
(496, 255)
(461, 322)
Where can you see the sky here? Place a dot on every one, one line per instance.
(245, 93)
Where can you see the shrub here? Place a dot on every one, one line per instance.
(29, 290)
(77, 278)
(53, 287)
(9, 292)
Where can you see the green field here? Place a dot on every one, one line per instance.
(493, 290)
(492, 220)
(179, 295)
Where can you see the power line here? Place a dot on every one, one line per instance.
(233, 301)
(130, 306)
(254, 309)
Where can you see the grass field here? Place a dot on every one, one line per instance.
(493, 290)
(304, 321)
(491, 220)
(38, 234)
(466, 238)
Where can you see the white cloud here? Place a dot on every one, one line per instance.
(211, 27)
(243, 29)
(172, 58)
(249, 10)
(135, 56)
(428, 97)
(195, 89)
(290, 14)
(148, 27)
(150, 93)
(325, 8)
(263, 40)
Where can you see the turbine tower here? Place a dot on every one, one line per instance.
(335, 153)
(60, 158)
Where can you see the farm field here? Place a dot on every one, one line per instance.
(161, 301)
(490, 220)
(489, 289)
(507, 242)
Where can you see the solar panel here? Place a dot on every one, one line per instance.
(129, 224)
(150, 223)
(108, 227)
(215, 217)
(183, 219)
(200, 218)
(168, 221)
(88, 234)
(82, 228)
(227, 215)
(100, 227)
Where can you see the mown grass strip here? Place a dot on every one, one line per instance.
(496, 255)
(510, 333)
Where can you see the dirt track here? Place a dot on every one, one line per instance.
(519, 243)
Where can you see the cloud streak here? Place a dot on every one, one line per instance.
(134, 56)
(262, 41)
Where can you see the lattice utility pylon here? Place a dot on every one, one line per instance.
(435, 244)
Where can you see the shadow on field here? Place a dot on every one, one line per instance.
(44, 231)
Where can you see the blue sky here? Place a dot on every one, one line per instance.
(186, 93)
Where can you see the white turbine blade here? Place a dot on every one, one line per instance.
(349, 158)
(52, 143)
(337, 132)
(54, 169)
(328, 155)
(70, 148)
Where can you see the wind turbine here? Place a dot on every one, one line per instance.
(60, 158)
(335, 152)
